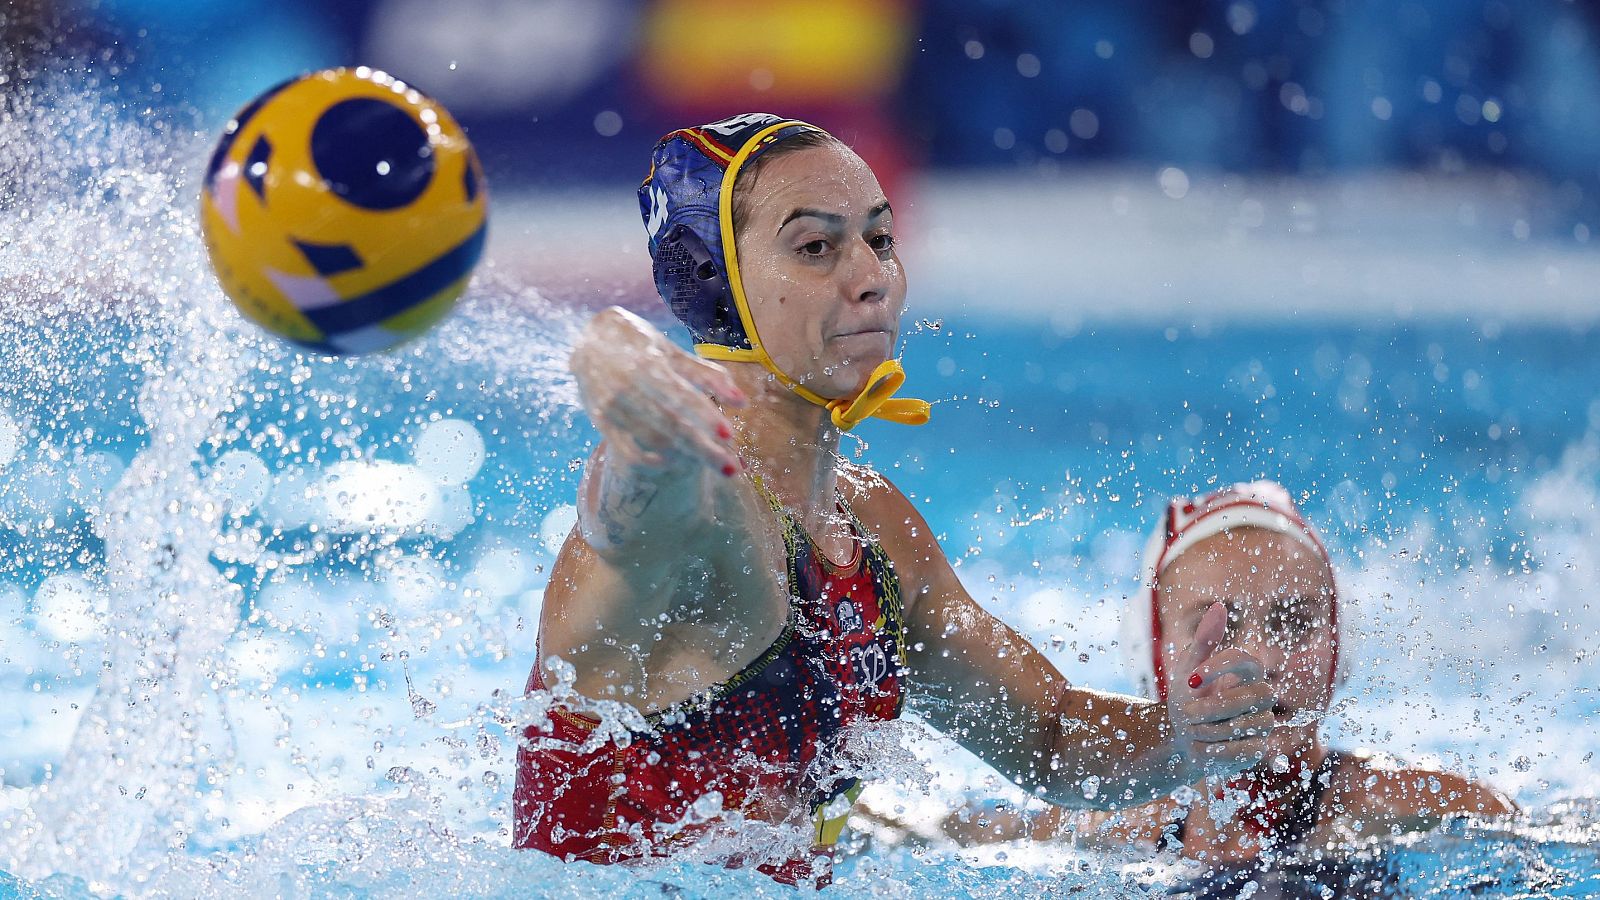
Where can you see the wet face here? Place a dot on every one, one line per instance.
(1279, 597)
(817, 255)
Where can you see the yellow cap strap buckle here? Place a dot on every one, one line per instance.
(877, 399)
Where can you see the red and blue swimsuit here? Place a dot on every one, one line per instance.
(753, 738)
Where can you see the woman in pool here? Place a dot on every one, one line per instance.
(763, 598)
(1249, 547)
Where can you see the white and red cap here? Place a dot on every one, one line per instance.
(1186, 522)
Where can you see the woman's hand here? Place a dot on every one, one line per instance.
(649, 398)
(1219, 702)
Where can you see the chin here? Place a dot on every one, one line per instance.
(851, 375)
(1290, 742)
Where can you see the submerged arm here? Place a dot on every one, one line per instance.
(1388, 801)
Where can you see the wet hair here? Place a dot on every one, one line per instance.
(805, 140)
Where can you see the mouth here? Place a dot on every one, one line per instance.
(1290, 717)
(864, 332)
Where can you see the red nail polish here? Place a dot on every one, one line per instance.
(723, 431)
(729, 470)
(1195, 681)
(1219, 794)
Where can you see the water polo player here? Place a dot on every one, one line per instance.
(732, 575)
(1249, 546)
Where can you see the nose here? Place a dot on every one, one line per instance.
(867, 277)
(1267, 648)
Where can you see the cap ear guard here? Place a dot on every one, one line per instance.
(690, 278)
(1137, 628)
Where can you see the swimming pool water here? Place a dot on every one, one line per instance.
(1434, 458)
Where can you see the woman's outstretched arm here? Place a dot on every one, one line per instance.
(988, 688)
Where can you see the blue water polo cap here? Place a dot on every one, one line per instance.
(681, 202)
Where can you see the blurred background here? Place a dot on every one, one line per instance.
(1207, 158)
(1152, 246)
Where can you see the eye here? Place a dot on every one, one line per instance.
(881, 243)
(817, 247)
(1235, 620)
(1305, 615)
(1283, 622)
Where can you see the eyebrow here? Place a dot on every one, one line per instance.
(832, 218)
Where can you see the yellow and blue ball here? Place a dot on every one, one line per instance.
(344, 211)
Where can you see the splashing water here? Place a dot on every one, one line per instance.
(264, 615)
(95, 251)
(120, 342)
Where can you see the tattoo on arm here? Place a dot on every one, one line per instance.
(621, 503)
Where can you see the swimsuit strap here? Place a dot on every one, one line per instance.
(855, 522)
(1307, 809)
(1302, 819)
(883, 573)
(768, 495)
(794, 534)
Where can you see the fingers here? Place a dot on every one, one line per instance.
(1232, 746)
(1231, 756)
(1242, 665)
(651, 405)
(1204, 667)
(1224, 705)
(711, 378)
(1213, 628)
(1228, 727)
(1254, 725)
(1244, 700)
(672, 419)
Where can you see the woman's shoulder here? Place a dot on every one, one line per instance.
(1389, 791)
(889, 516)
(873, 497)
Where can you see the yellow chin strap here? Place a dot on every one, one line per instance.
(876, 398)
